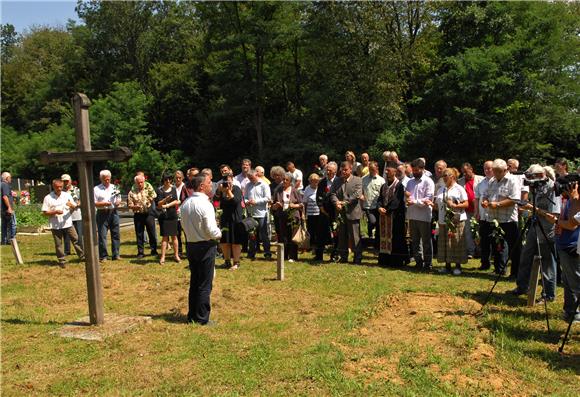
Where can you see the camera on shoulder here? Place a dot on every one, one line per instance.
(564, 183)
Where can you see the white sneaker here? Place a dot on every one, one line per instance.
(291, 260)
(456, 271)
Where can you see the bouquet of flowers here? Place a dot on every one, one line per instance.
(498, 235)
(341, 216)
(292, 222)
(25, 197)
(450, 222)
(474, 226)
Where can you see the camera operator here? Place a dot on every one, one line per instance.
(547, 211)
(230, 198)
(567, 244)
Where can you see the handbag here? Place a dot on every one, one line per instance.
(301, 236)
(249, 224)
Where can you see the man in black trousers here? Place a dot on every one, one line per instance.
(201, 231)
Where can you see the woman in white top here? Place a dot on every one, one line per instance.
(312, 209)
(451, 202)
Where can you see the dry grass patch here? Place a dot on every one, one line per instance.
(437, 333)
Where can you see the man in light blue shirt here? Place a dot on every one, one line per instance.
(256, 199)
(372, 183)
(419, 195)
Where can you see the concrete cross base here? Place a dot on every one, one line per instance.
(114, 324)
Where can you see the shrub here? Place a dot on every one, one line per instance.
(30, 215)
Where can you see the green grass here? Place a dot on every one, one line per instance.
(316, 333)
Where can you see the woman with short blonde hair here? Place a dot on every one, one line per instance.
(451, 202)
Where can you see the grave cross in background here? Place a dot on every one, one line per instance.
(84, 157)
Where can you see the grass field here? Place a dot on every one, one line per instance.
(326, 330)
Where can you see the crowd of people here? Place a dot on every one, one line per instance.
(412, 216)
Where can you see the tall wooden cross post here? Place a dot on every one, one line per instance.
(84, 157)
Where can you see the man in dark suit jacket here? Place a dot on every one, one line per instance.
(327, 213)
(345, 195)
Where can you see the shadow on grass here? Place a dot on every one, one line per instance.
(18, 321)
(494, 298)
(47, 262)
(559, 361)
(519, 323)
(171, 317)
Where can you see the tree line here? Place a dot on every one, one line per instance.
(187, 83)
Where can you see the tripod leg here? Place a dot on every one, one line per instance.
(490, 292)
(538, 225)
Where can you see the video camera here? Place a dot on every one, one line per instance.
(534, 183)
(563, 183)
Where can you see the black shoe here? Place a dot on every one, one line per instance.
(343, 260)
(268, 256)
(154, 253)
(516, 292)
(484, 267)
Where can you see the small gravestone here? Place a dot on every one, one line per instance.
(38, 193)
(280, 261)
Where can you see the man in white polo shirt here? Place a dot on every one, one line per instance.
(201, 231)
(107, 199)
(57, 206)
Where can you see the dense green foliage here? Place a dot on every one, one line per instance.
(30, 215)
(205, 83)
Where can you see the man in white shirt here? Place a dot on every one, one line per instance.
(57, 206)
(107, 199)
(296, 174)
(419, 198)
(242, 177)
(256, 199)
(500, 202)
(201, 231)
(371, 185)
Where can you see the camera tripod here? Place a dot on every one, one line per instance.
(561, 348)
(534, 223)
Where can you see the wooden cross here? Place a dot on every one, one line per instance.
(84, 157)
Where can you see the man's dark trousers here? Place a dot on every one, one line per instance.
(201, 256)
(144, 221)
(485, 229)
